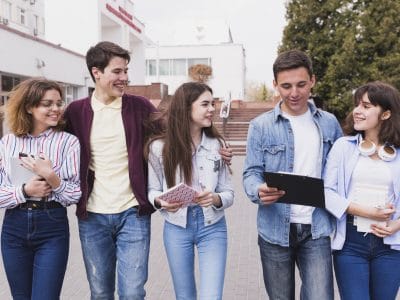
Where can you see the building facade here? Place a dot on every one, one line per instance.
(25, 53)
(49, 38)
(200, 42)
(88, 22)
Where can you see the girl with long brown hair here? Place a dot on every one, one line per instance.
(188, 152)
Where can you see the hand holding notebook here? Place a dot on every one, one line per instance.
(180, 193)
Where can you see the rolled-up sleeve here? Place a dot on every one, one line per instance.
(69, 191)
(224, 188)
(334, 181)
(253, 173)
(155, 175)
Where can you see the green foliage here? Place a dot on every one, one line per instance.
(350, 42)
(256, 91)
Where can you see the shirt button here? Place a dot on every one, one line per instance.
(201, 168)
(208, 222)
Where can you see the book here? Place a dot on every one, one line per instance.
(20, 175)
(369, 195)
(180, 193)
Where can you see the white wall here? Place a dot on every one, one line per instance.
(23, 55)
(227, 62)
(74, 23)
(78, 25)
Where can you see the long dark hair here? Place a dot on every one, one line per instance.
(177, 151)
(388, 98)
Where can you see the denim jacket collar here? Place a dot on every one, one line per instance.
(206, 142)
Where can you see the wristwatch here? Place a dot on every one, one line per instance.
(24, 192)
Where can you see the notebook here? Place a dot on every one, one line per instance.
(20, 174)
(180, 193)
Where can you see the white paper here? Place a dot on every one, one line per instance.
(373, 196)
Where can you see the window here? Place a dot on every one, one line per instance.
(179, 67)
(196, 61)
(70, 93)
(8, 82)
(151, 67)
(36, 20)
(6, 9)
(22, 16)
(173, 67)
(163, 67)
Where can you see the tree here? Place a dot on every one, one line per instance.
(350, 42)
(200, 72)
(257, 92)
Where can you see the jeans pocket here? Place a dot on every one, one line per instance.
(57, 214)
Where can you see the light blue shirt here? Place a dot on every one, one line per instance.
(270, 147)
(337, 177)
(207, 167)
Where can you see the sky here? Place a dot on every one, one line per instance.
(257, 24)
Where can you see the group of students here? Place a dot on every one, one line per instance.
(114, 154)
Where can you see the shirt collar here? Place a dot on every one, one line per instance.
(97, 105)
(278, 111)
(206, 142)
(45, 133)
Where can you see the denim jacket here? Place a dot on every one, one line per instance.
(337, 176)
(270, 147)
(210, 169)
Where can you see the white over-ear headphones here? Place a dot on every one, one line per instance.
(386, 152)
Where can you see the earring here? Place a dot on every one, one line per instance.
(366, 147)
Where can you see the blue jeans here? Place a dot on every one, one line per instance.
(366, 268)
(113, 242)
(313, 258)
(211, 243)
(35, 245)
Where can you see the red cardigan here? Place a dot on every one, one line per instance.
(135, 112)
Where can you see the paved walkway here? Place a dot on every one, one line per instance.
(243, 280)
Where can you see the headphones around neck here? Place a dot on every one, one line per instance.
(386, 152)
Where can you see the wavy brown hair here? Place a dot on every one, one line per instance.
(177, 150)
(388, 98)
(23, 97)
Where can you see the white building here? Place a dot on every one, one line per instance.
(24, 53)
(50, 38)
(202, 42)
(23, 15)
(78, 25)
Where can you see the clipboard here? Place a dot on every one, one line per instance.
(302, 190)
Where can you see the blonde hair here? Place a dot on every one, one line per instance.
(23, 97)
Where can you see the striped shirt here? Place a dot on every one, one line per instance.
(63, 150)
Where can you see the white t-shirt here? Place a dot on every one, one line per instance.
(307, 147)
(372, 173)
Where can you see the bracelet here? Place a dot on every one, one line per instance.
(23, 191)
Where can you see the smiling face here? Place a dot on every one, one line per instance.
(48, 112)
(202, 111)
(368, 117)
(294, 87)
(111, 83)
